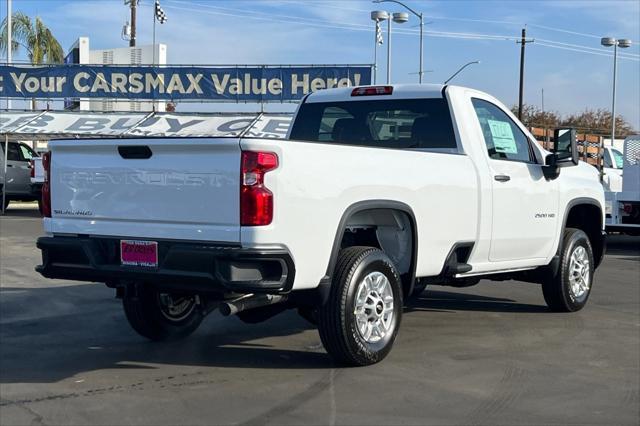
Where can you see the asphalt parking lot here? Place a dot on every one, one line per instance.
(489, 354)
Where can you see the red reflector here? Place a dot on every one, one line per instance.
(46, 188)
(256, 201)
(372, 91)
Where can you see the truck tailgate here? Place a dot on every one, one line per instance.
(184, 189)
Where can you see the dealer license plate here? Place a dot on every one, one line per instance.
(139, 253)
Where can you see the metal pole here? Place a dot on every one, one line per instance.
(132, 40)
(4, 185)
(154, 39)
(375, 52)
(421, 47)
(9, 44)
(524, 33)
(153, 104)
(389, 51)
(6, 137)
(613, 101)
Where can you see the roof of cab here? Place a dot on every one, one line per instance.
(400, 91)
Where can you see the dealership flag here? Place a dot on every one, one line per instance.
(379, 32)
(160, 15)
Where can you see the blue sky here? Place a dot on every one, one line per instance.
(575, 74)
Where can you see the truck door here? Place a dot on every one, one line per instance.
(524, 203)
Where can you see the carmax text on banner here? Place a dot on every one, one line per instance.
(244, 84)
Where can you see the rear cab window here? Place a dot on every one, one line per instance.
(393, 123)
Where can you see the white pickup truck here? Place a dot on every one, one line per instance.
(377, 192)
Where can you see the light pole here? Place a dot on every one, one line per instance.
(420, 16)
(377, 16)
(623, 43)
(460, 70)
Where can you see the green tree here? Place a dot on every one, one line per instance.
(34, 37)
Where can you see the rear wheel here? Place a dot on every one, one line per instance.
(360, 321)
(568, 290)
(162, 316)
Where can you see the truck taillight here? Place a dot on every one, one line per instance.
(32, 166)
(46, 188)
(256, 201)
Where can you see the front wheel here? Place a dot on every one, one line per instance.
(157, 315)
(360, 321)
(569, 289)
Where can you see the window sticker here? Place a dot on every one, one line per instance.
(503, 139)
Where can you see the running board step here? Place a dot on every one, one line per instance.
(459, 268)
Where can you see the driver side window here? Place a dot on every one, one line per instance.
(504, 139)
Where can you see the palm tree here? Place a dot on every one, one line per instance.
(35, 37)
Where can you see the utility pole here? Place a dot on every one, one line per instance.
(522, 42)
(133, 5)
(9, 47)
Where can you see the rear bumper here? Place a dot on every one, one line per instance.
(182, 265)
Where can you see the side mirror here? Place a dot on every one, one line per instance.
(563, 154)
(565, 147)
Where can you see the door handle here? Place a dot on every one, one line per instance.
(502, 178)
(10, 165)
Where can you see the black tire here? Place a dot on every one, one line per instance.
(337, 322)
(149, 314)
(557, 289)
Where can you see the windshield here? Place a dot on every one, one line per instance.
(618, 159)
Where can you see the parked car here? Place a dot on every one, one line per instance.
(377, 192)
(17, 182)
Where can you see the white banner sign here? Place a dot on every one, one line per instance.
(78, 124)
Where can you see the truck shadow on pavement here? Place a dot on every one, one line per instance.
(445, 301)
(95, 335)
(54, 333)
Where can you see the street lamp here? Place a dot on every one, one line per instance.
(460, 70)
(377, 16)
(623, 43)
(419, 15)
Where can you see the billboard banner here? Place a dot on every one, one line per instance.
(233, 84)
(86, 124)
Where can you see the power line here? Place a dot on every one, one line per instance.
(539, 43)
(595, 49)
(563, 31)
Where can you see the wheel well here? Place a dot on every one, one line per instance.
(588, 218)
(391, 230)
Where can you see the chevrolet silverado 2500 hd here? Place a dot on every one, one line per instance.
(376, 192)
